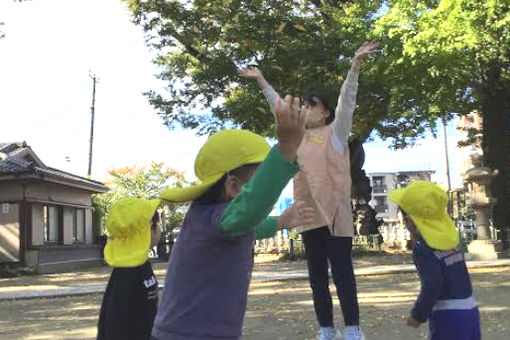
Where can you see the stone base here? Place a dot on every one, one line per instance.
(487, 250)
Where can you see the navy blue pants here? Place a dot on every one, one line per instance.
(320, 247)
(455, 324)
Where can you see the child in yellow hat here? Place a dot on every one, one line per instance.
(210, 267)
(445, 298)
(130, 300)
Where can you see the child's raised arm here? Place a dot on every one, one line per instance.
(268, 91)
(290, 125)
(254, 73)
(258, 196)
(346, 103)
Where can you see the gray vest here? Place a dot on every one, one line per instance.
(206, 285)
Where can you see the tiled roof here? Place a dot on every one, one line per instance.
(15, 165)
(18, 159)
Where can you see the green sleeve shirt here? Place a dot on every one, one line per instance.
(250, 209)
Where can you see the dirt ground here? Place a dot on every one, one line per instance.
(276, 310)
(100, 275)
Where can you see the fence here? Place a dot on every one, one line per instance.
(280, 243)
(392, 235)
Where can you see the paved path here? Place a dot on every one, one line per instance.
(259, 276)
(30, 291)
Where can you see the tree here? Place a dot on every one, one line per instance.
(300, 46)
(146, 183)
(455, 58)
(200, 45)
(440, 58)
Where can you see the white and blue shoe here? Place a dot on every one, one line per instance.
(329, 333)
(353, 333)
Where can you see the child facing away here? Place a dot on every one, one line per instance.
(130, 300)
(210, 267)
(445, 299)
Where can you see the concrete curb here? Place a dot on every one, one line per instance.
(257, 277)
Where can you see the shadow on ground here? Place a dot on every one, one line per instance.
(276, 310)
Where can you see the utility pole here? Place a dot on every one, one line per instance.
(92, 111)
(450, 203)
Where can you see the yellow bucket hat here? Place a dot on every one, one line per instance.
(221, 153)
(426, 204)
(129, 232)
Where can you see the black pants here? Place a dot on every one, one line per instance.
(320, 247)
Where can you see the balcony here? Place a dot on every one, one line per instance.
(379, 189)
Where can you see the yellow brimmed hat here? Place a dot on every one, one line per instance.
(221, 153)
(426, 204)
(129, 232)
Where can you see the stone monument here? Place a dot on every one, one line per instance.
(479, 179)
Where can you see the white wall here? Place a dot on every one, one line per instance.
(37, 225)
(10, 191)
(390, 182)
(392, 207)
(89, 235)
(58, 194)
(68, 225)
(9, 232)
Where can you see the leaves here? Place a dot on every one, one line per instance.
(296, 45)
(444, 49)
(300, 27)
(141, 182)
(435, 57)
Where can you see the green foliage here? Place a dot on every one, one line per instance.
(454, 58)
(435, 62)
(446, 50)
(143, 183)
(473, 137)
(297, 45)
(293, 234)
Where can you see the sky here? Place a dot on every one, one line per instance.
(50, 49)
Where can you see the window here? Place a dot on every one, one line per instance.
(79, 225)
(51, 220)
(378, 181)
(379, 185)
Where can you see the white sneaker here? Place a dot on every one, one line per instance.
(329, 333)
(353, 333)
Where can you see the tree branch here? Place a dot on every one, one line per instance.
(189, 48)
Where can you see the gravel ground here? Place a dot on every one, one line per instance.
(276, 310)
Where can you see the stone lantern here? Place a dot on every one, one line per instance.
(479, 180)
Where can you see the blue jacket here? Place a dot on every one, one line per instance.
(444, 277)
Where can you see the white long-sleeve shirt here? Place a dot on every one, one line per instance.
(341, 126)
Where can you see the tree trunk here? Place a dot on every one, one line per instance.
(496, 146)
